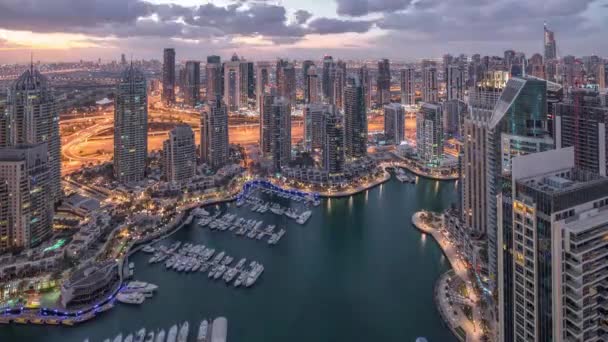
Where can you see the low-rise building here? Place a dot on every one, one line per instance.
(90, 284)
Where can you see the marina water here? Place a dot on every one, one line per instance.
(357, 271)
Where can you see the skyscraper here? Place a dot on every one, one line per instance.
(430, 89)
(328, 78)
(25, 184)
(355, 119)
(455, 82)
(281, 133)
(130, 126)
(179, 155)
(306, 65)
(557, 224)
(333, 144)
(286, 81)
(550, 45)
(213, 73)
(192, 83)
(266, 115)
(580, 121)
(314, 129)
(408, 86)
(232, 85)
(262, 80)
(517, 127)
(384, 82)
(482, 99)
(366, 81)
(429, 133)
(168, 94)
(311, 90)
(214, 134)
(32, 117)
(394, 123)
(339, 84)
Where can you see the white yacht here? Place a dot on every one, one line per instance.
(202, 331)
(183, 332)
(160, 337)
(254, 275)
(304, 217)
(149, 337)
(131, 298)
(141, 334)
(118, 338)
(172, 335)
(139, 286)
(148, 249)
(129, 338)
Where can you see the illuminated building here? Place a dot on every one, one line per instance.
(286, 81)
(192, 83)
(355, 119)
(130, 127)
(213, 73)
(327, 81)
(366, 81)
(168, 94)
(430, 88)
(214, 134)
(311, 86)
(306, 66)
(25, 177)
(384, 82)
(333, 144)
(179, 155)
(314, 128)
(280, 133)
(454, 82)
(429, 133)
(408, 86)
(262, 79)
(394, 123)
(32, 117)
(580, 121)
(558, 224)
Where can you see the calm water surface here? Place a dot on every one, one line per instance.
(357, 271)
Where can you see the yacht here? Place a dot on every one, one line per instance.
(291, 214)
(227, 260)
(219, 257)
(139, 286)
(150, 337)
(304, 217)
(160, 336)
(254, 275)
(276, 209)
(202, 331)
(129, 338)
(220, 271)
(183, 332)
(148, 249)
(141, 334)
(241, 279)
(240, 264)
(118, 338)
(131, 298)
(172, 335)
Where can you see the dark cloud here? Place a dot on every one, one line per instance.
(332, 26)
(302, 16)
(356, 8)
(50, 16)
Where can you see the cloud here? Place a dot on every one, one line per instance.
(302, 16)
(357, 8)
(333, 26)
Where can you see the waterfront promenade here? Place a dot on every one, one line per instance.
(413, 168)
(454, 318)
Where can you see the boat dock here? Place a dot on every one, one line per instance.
(208, 330)
(191, 258)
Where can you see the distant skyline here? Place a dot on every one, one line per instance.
(69, 30)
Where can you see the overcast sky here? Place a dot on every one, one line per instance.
(398, 29)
